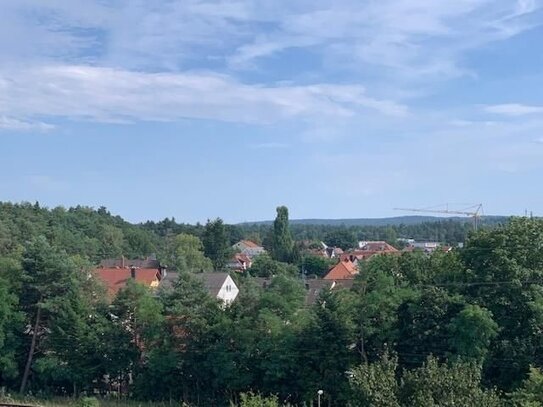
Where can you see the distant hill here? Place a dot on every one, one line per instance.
(392, 221)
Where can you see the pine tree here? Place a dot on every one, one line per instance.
(216, 243)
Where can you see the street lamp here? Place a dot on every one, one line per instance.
(319, 394)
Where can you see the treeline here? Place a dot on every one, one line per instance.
(457, 328)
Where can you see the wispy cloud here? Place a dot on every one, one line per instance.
(514, 109)
(10, 123)
(105, 94)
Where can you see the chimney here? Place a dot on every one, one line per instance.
(132, 272)
(122, 262)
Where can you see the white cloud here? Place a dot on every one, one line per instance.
(514, 109)
(10, 123)
(106, 94)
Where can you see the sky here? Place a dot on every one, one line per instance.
(199, 109)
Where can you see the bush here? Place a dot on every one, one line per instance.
(88, 402)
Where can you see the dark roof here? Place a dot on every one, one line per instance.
(168, 280)
(314, 288)
(213, 282)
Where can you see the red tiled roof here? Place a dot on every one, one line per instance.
(379, 246)
(242, 258)
(116, 278)
(344, 270)
(250, 243)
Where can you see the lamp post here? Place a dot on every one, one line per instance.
(319, 394)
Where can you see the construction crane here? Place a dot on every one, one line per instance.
(474, 211)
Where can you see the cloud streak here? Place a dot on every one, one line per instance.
(514, 109)
(106, 94)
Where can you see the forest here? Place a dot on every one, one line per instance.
(458, 328)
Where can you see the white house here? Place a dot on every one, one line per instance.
(220, 286)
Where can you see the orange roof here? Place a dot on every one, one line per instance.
(116, 278)
(379, 246)
(344, 270)
(249, 243)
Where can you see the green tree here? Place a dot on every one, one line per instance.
(257, 400)
(423, 325)
(471, 332)
(375, 384)
(264, 266)
(326, 341)
(530, 394)
(215, 242)
(10, 318)
(186, 254)
(504, 274)
(442, 385)
(282, 244)
(342, 238)
(315, 265)
(49, 277)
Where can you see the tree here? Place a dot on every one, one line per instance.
(216, 245)
(315, 265)
(49, 277)
(471, 332)
(504, 274)
(264, 266)
(375, 384)
(326, 341)
(446, 385)
(282, 245)
(186, 254)
(423, 325)
(342, 238)
(530, 394)
(10, 318)
(256, 400)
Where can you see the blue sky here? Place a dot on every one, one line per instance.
(336, 108)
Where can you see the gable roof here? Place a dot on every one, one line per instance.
(316, 286)
(116, 278)
(378, 246)
(344, 270)
(213, 282)
(248, 244)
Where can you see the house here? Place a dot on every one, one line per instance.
(218, 285)
(344, 270)
(239, 262)
(376, 247)
(122, 262)
(116, 278)
(248, 248)
(314, 287)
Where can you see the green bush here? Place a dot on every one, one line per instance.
(88, 402)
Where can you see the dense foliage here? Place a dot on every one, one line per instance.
(457, 328)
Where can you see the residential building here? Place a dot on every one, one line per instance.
(314, 287)
(344, 270)
(239, 262)
(219, 285)
(116, 278)
(248, 248)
